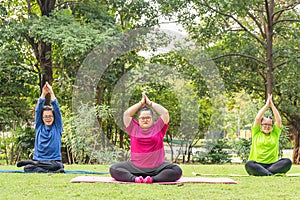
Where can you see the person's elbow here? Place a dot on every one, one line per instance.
(278, 123)
(126, 114)
(257, 121)
(165, 117)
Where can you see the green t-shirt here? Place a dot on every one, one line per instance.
(264, 149)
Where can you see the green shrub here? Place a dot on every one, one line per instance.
(241, 148)
(215, 153)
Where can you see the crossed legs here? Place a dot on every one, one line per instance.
(126, 171)
(41, 166)
(258, 169)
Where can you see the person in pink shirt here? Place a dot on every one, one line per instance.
(147, 163)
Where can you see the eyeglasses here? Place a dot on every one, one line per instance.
(47, 116)
(145, 118)
(267, 125)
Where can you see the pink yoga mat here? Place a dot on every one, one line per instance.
(94, 179)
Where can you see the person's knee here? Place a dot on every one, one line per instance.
(55, 165)
(249, 164)
(112, 169)
(250, 167)
(29, 168)
(287, 162)
(178, 171)
(34, 169)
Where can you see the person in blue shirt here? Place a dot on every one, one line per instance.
(48, 127)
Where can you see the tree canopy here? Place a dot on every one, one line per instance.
(234, 54)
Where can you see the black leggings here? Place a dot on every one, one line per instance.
(127, 172)
(258, 169)
(42, 166)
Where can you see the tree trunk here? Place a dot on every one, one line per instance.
(42, 50)
(46, 6)
(295, 129)
(269, 48)
(45, 51)
(190, 152)
(296, 152)
(270, 80)
(122, 133)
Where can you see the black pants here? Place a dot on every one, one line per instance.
(258, 169)
(36, 166)
(126, 171)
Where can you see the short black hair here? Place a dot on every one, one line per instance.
(47, 108)
(266, 117)
(145, 108)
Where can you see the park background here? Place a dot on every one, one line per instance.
(242, 50)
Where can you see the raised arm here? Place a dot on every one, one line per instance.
(163, 112)
(38, 112)
(40, 105)
(275, 112)
(47, 89)
(261, 113)
(129, 113)
(55, 107)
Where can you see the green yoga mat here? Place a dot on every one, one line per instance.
(65, 171)
(244, 175)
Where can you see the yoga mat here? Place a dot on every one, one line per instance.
(83, 172)
(94, 179)
(66, 171)
(11, 171)
(231, 175)
(289, 175)
(244, 175)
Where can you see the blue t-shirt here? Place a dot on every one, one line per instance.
(48, 138)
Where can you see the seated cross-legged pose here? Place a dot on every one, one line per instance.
(147, 163)
(263, 158)
(48, 128)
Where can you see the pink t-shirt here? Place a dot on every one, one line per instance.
(147, 145)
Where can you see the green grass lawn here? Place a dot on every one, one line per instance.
(58, 186)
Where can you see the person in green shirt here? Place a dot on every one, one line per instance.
(263, 158)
